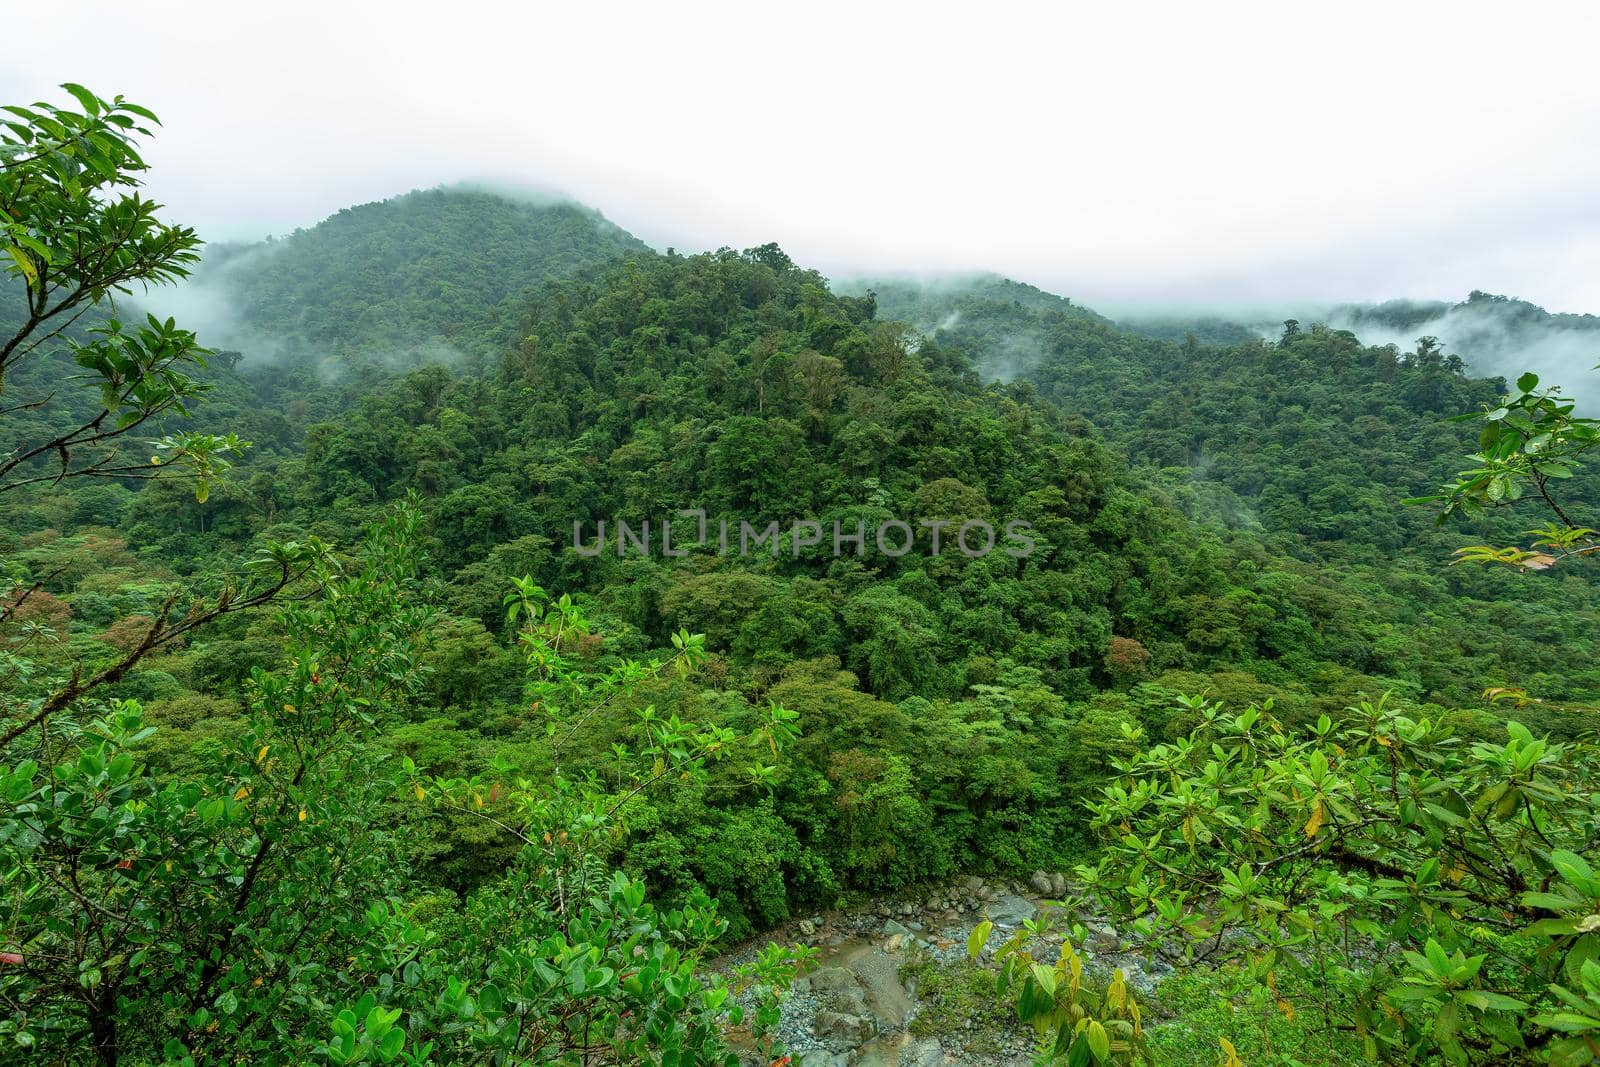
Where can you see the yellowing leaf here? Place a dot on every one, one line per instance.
(1099, 1040)
(420, 794)
(263, 753)
(1230, 1055)
(242, 792)
(1285, 1007)
(1314, 823)
(302, 814)
(24, 264)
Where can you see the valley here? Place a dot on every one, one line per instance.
(332, 727)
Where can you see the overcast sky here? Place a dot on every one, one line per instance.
(1114, 152)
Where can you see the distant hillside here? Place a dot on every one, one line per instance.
(1206, 329)
(1496, 336)
(927, 305)
(417, 278)
(1313, 441)
(969, 303)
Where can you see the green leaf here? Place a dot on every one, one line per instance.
(391, 1044)
(1099, 1040)
(90, 102)
(1438, 959)
(1486, 1001)
(1574, 869)
(978, 938)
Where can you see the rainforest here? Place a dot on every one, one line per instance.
(376, 687)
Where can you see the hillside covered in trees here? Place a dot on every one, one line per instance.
(371, 721)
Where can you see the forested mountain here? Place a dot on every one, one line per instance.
(739, 384)
(1416, 315)
(422, 278)
(1313, 438)
(441, 776)
(302, 325)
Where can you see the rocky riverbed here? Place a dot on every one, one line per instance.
(859, 1007)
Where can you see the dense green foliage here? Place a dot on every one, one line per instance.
(1308, 446)
(246, 897)
(1427, 888)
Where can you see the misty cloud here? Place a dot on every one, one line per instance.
(1089, 176)
(1495, 336)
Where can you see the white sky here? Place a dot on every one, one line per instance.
(1116, 152)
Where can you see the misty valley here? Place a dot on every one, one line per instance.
(459, 631)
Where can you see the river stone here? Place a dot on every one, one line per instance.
(887, 999)
(1040, 882)
(832, 980)
(1058, 885)
(841, 1028)
(1104, 938)
(1008, 909)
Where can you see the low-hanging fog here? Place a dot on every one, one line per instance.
(1418, 152)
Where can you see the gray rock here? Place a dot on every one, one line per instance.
(893, 928)
(1008, 909)
(1040, 883)
(879, 974)
(1104, 938)
(839, 990)
(1058, 885)
(847, 1002)
(808, 928)
(832, 980)
(820, 1057)
(925, 1053)
(842, 1029)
